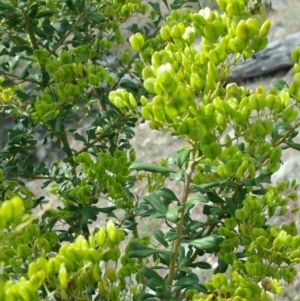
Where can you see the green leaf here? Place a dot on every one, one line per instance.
(71, 6)
(141, 296)
(261, 191)
(181, 157)
(25, 72)
(209, 243)
(194, 226)
(218, 211)
(208, 167)
(58, 124)
(150, 273)
(281, 127)
(140, 251)
(179, 176)
(221, 268)
(39, 32)
(202, 265)
(240, 255)
(188, 207)
(33, 10)
(231, 205)
(173, 214)
(155, 7)
(166, 4)
(159, 236)
(19, 48)
(187, 281)
(7, 83)
(130, 86)
(156, 203)
(293, 145)
(150, 167)
(16, 63)
(134, 28)
(214, 198)
(106, 210)
(198, 199)
(97, 18)
(241, 147)
(5, 6)
(177, 4)
(156, 285)
(203, 188)
(280, 84)
(207, 209)
(4, 52)
(86, 215)
(164, 294)
(171, 236)
(167, 194)
(47, 13)
(79, 138)
(249, 182)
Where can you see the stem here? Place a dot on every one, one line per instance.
(125, 71)
(20, 79)
(33, 39)
(87, 147)
(66, 145)
(135, 231)
(103, 108)
(195, 254)
(34, 42)
(66, 35)
(176, 245)
(136, 235)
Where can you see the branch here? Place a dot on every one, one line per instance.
(31, 33)
(20, 79)
(66, 35)
(120, 118)
(176, 245)
(66, 144)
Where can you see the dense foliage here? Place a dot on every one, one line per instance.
(65, 61)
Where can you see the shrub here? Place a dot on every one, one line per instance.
(234, 142)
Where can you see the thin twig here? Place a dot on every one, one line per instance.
(66, 35)
(176, 245)
(86, 148)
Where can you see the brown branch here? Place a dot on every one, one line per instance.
(176, 245)
(20, 79)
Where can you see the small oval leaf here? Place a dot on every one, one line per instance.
(280, 84)
(159, 236)
(150, 167)
(167, 194)
(173, 214)
(181, 158)
(209, 243)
